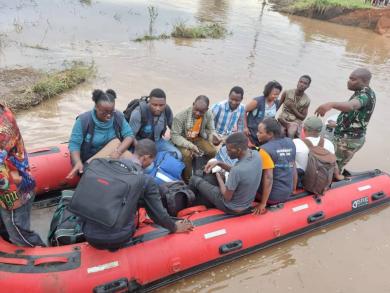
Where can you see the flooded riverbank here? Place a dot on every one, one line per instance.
(264, 45)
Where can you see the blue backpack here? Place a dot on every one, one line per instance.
(166, 168)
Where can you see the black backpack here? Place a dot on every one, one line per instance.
(65, 227)
(176, 196)
(142, 103)
(108, 193)
(131, 107)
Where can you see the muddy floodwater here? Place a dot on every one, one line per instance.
(351, 256)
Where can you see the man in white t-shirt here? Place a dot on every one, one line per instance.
(312, 128)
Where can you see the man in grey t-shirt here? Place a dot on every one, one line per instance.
(237, 195)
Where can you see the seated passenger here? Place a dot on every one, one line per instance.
(191, 131)
(229, 114)
(228, 119)
(151, 119)
(237, 195)
(260, 108)
(312, 127)
(277, 183)
(144, 194)
(295, 106)
(101, 132)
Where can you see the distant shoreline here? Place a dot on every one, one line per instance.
(375, 19)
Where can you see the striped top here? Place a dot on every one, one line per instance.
(227, 121)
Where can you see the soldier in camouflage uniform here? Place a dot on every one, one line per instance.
(351, 125)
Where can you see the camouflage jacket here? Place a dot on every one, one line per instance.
(353, 124)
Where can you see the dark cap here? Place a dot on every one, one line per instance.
(313, 123)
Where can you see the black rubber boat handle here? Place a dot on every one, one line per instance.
(316, 217)
(114, 286)
(378, 195)
(231, 246)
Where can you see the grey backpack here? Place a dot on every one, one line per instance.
(108, 192)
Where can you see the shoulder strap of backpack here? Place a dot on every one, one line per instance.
(321, 142)
(308, 143)
(87, 124)
(168, 117)
(143, 107)
(118, 120)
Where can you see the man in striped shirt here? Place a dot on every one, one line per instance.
(229, 118)
(229, 114)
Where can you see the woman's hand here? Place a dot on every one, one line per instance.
(78, 168)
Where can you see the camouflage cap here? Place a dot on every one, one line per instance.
(313, 123)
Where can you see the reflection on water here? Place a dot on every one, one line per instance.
(253, 52)
(264, 45)
(213, 10)
(365, 47)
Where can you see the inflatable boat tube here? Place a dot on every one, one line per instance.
(49, 167)
(155, 258)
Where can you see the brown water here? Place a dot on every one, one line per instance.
(264, 45)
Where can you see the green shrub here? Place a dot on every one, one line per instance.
(204, 31)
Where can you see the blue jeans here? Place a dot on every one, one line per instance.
(17, 225)
(165, 145)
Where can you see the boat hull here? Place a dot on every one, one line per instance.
(156, 258)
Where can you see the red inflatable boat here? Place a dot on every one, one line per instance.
(155, 258)
(49, 166)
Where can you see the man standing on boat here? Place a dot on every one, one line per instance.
(16, 183)
(351, 125)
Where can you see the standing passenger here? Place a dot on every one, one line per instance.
(191, 131)
(16, 183)
(351, 125)
(295, 107)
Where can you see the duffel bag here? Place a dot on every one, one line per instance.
(65, 227)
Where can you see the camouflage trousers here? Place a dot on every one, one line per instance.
(346, 148)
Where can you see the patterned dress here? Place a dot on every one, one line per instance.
(16, 182)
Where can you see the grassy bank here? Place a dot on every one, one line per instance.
(21, 89)
(323, 5)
